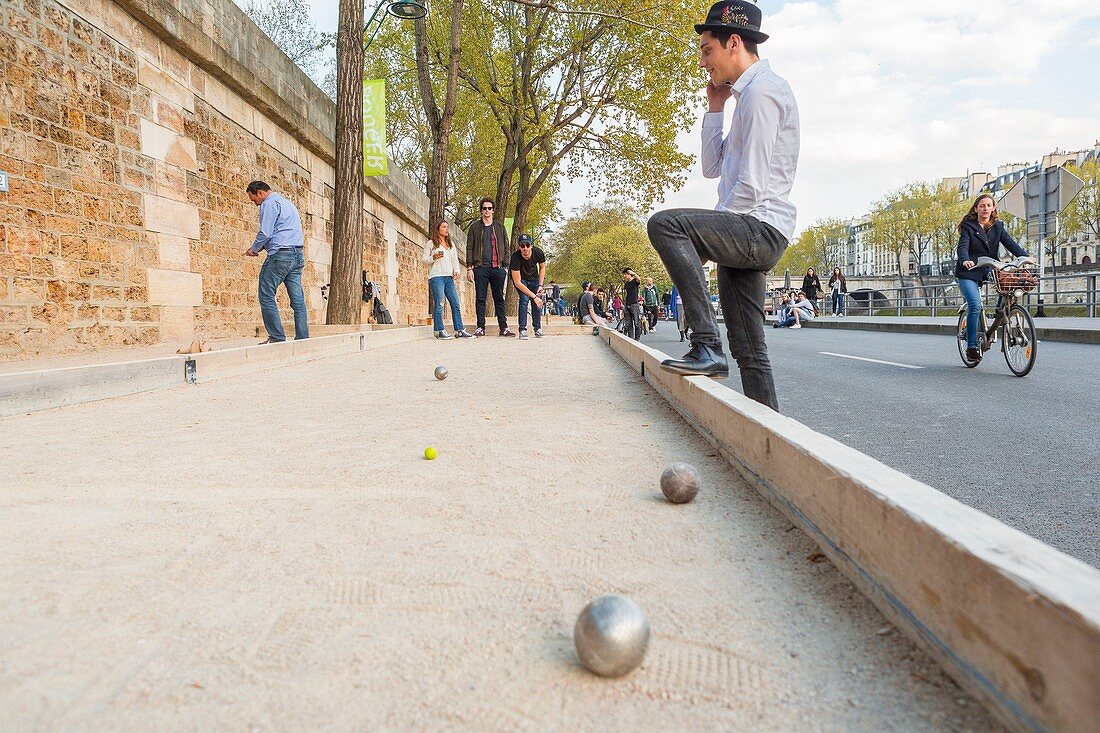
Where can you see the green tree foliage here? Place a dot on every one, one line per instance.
(821, 246)
(558, 90)
(598, 241)
(917, 222)
(1082, 216)
(889, 229)
(800, 256)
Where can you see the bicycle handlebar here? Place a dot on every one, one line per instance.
(998, 265)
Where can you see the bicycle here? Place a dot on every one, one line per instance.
(1012, 320)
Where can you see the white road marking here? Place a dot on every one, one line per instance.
(874, 361)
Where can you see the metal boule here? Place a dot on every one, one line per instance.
(441, 372)
(680, 482)
(611, 636)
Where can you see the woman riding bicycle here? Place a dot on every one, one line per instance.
(980, 234)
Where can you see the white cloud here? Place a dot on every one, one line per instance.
(895, 92)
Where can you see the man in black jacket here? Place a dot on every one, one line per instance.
(487, 254)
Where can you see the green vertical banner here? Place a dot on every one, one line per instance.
(508, 226)
(375, 162)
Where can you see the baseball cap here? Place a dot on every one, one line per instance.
(525, 239)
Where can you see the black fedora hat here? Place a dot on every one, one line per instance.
(736, 16)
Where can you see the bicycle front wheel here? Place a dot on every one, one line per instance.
(1019, 342)
(960, 339)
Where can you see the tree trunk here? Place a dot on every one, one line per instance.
(440, 122)
(345, 293)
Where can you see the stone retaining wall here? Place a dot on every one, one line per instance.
(129, 129)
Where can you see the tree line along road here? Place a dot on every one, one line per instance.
(1021, 450)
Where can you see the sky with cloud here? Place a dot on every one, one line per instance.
(893, 92)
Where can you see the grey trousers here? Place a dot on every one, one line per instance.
(744, 250)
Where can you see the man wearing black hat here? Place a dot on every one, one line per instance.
(749, 229)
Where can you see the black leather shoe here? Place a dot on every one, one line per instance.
(702, 360)
(973, 354)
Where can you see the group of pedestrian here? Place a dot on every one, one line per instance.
(793, 309)
(837, 288)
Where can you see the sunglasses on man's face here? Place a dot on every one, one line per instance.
(525, 246)
(486, 208)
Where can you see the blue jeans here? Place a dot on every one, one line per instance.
(971, 290)
(283, 267)
(838, 303)
(524, 299)
(444, 286)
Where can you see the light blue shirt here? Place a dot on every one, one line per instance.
(280, 225)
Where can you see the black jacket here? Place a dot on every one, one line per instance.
(811, 284)
(975, 242)
(475, 245)
(843, 282)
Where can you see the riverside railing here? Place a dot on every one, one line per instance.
(1075, 294)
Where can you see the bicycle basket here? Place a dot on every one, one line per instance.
(1012, 279)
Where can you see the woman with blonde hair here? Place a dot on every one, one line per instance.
(445, 270)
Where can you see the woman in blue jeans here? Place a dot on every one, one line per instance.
(980, 235)
(445, 270)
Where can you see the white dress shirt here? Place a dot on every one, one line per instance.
(446, 265)
(757, 160)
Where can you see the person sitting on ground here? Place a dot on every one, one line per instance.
(586, 307)
(601, 298)
(801, 310)
(783, 310)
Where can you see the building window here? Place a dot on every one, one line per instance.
(1072, 256)
(1064, 253)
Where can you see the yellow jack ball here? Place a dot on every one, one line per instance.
(430, 453)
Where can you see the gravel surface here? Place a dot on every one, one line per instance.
(1020, 450)
(273, 553)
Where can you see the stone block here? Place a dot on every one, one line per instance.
(168, 216)
(175, 252)
(168, 115)
(161, 83)
(177, 322)
(171, 181)
(225, 101)
(319, 251)
(27, 291)
(168, 146)
(171, 287)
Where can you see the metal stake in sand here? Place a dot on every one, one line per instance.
(441, 372)
(611, 636)
(680, 483)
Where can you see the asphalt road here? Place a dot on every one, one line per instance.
(1021, 450)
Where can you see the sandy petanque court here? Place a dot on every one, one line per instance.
(273, 553)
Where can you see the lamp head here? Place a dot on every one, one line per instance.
(407, 9)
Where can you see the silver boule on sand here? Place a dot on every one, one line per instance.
(680, 482)
(611, 636)
(441, 372)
